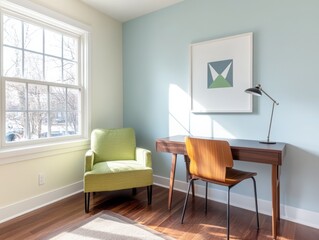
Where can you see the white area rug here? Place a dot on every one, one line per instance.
(109, 225)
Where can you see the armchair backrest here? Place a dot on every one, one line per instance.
(113, 144)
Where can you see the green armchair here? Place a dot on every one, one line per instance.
(115, 163)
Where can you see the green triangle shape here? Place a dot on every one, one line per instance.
(220, 82)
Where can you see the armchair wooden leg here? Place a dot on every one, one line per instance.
(87, 202)
(134, 191)
(149, 194)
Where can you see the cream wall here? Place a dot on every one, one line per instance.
(107, 96)
(64, 171)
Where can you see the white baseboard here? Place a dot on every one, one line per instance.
(301, 216)
(28, 205)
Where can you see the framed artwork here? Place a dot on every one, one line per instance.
(221, 71)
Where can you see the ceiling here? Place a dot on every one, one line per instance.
(124, 10)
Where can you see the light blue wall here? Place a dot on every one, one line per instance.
(286, 61)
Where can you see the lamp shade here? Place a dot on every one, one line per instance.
(255, 90)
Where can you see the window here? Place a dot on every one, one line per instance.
(43, 81)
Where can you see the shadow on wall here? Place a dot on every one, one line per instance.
(299, 175)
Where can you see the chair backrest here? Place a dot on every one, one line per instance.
(113, 144)
(209, 158)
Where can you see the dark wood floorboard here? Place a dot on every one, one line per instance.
(41, 223)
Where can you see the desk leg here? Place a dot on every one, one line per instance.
(275, 200)
(171, 180)
(278, 193)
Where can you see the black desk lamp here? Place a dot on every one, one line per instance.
(258, 92)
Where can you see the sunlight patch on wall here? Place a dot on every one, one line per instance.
(201, 125)
(220, 132)
(179, 102)
(182, 122)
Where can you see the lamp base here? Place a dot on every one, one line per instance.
(267, 142)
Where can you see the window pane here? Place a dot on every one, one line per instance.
(12, 32)
(53, 69)
(38, 124)
(73, 100)
(33, 38)
(70, 48)
(70, 72)
(58, 124)
(15, 126)
(73, 123)
(53, 43)
(12, 66)
(73, 110)
(33, 66)
(58, 98)
(15, 96)
(37, 97)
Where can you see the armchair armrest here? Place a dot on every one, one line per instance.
(143, 156)
(89, 160)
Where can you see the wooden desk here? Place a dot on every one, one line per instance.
(244, 150)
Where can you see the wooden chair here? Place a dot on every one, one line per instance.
(211, 161)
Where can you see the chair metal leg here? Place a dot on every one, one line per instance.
(206, 193)
(228, 212)
(149, 194)
(188, 175)
(87, 202)
(186, 199)
(193, 190)
(256, 204)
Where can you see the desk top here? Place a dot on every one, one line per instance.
(245, 150)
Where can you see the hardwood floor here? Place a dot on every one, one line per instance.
(42, 222)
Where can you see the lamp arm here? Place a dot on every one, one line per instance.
(272, 113)
(277, 103)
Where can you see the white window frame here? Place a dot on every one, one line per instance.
(25, 150)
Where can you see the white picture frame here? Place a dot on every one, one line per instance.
(221, 71)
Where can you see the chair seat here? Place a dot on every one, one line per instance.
(233, 176)
(116, 175)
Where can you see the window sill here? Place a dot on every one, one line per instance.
(13, 155)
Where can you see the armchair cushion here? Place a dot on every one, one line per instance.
(117, 175)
